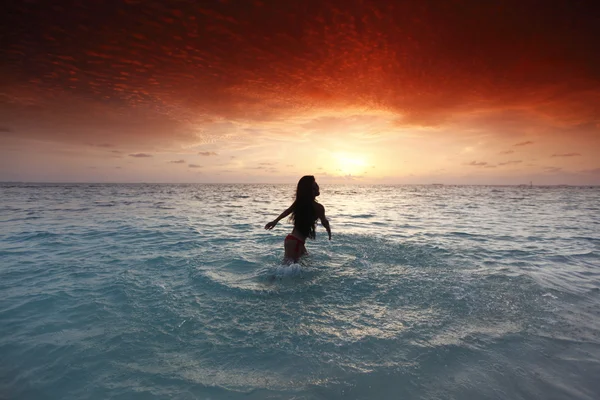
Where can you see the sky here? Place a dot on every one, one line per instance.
(351, 91)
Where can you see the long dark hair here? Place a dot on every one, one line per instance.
(303, 214)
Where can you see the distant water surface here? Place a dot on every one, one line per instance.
(177, 292)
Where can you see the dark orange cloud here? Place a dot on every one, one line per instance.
(477, 163)
(566, 155)
(140, 155)
(510, 162)
(524, 143)
(160, 72)
(552, 169)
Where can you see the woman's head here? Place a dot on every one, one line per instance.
(303, 214)
(307, 188)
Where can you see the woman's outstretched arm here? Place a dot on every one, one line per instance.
(284, 214)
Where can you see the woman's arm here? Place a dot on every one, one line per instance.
(284, 214)
(324, 221)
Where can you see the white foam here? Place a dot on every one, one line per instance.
(288, 270)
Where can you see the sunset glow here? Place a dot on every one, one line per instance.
(465, 92)
(348, 164)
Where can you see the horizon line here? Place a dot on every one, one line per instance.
(285, 183)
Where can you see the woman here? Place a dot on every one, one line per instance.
(305, 211)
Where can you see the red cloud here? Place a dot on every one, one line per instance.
(151, 81)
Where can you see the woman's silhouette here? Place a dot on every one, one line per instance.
(305, 211)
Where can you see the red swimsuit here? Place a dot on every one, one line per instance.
(298, 242)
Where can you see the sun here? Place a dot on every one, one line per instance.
(350, 164)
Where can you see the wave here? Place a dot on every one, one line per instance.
(412, 298)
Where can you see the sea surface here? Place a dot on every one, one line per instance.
(150, 291)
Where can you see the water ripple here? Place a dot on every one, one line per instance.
(176, 291)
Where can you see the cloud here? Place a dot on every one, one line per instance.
(595, 171)
(140, 155)
(186, 74)
(511, 162)
(524, 143)
(5, 129)
(194, 166)
(566, 155)
(348, 177)
(188, 77)
(177, 162)
(507, 152)
(477, 163)
(552, 169)
(102, 145)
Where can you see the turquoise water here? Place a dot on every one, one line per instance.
(177, 291)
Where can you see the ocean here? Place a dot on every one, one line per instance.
(159, 291)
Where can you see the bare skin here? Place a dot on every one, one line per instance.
(294, 249)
